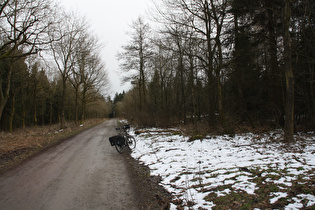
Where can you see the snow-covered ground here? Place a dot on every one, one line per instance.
(198, 173)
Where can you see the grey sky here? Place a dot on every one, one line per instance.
(110, 20)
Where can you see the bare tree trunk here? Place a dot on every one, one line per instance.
(35, 112)
(218, 19)
(34, 101)
(50, 113)
(219, 84)
(181, 80)
(63, 98)
(289, 106)
(83, 106)
(142, 87)
(76, 105)
(211, 81)
(12, 113)
(23, 110)
(141, 81)
(4, 94)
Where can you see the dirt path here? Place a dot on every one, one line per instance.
(84, 172)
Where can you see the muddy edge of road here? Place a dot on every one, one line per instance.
(150, 194)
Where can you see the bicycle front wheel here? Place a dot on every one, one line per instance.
(131, 142)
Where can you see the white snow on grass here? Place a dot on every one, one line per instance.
(190, 171)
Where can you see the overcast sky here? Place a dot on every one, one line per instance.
(110, 20)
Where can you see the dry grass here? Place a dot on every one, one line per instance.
(22, 144)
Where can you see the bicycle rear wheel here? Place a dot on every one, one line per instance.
(131, 142)
(120, 144)
(119, 148)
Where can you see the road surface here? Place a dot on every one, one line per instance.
(84, 172)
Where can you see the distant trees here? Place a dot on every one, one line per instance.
(228, 62)
(34, 91)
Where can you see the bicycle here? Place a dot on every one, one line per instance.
(123, 139)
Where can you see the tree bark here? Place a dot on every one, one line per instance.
(12, 113)
(63, 98)
(289, 106)
(211, 81)
(35, 98)
(218, 19)
(4, 94)
(76, 104)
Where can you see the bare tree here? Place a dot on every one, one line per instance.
(82, 51)
(94, 78)
(24, 25)
(63, 50)
(88, 76)
(136, 55)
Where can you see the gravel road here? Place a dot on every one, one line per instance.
(84, 172)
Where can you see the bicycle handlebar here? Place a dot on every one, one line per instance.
(123, 130)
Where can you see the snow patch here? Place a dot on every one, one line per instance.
(190, 169)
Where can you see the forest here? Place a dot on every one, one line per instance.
(224, 63)
(51, 68)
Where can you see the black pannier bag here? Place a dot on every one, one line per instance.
(119, 140)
